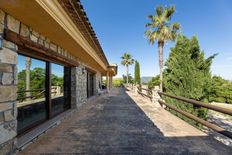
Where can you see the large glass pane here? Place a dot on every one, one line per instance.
(90, 83)
(31, 92)
(57, 89)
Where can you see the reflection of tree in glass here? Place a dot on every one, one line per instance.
(37, 81)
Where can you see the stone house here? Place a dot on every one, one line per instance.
(59, 41)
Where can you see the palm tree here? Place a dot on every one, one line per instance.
(126, 61)
(28, 67)
(160, 29)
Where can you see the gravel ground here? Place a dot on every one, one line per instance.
(223, 121)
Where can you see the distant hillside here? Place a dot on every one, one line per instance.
(146, 79)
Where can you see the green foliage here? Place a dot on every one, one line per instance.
(155, 81)
(188, 75)
(137, 73)
(118, 82)
(37, 81)
(160, 28)
(220, 90)
(127, 59)
(57, 81)
(130, 78)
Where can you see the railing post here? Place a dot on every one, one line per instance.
(136, 88)
(155, 95)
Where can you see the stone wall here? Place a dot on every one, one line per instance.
(8, 89)
(97, 81)
(8, 78)
(16, 26)
(78, 86)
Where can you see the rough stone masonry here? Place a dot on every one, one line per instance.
(8, 87)
(8, 78)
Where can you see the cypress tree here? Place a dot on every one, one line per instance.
(137, 73)
(188, 74)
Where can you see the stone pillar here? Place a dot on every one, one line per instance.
(78, 86)
(136, 89)
(94, 84)
(107, 82)
(98, 82)
(155, 95)
(8, 88)
(111, 82)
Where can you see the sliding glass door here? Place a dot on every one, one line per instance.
(90, 84)
(43, 91)
(31, 101)
(59, 91)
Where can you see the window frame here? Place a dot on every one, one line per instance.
(48, 99)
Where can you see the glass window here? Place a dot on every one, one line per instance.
(31, 101)
(90, 84)
(43, 91)
(57, 89)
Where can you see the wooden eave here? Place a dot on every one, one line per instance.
(76, 12)
(50, 19)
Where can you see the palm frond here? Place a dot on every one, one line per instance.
(169, 12)
(127, 59)
(159, 10)
(160, 28)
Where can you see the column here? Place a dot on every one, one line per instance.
(8, 87)
(155, 95)
(107, 82)
(78, 86)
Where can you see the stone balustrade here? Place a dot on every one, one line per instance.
(153, 93)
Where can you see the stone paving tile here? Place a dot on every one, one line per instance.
(121, 123)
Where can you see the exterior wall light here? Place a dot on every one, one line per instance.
(83, 70)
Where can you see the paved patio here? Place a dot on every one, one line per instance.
(124, 123)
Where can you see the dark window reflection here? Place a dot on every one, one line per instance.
(31, 92)
(90, 84)
(57, 88)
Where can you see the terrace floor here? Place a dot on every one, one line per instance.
(122, 122)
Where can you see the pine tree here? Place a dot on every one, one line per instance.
(188, 74)
(137, 73)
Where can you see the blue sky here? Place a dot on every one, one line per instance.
(56, 69)
(119, 25)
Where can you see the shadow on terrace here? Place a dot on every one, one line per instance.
(115, 124)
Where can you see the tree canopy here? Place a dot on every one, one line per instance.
(188, 74)
(155, 81)
(37, 81)
(220, 90)
(137, 79)
(130, 78)
(161, 29)
(127, 59)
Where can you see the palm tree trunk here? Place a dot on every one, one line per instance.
(28, 66)
(161, 46)
(127, 75)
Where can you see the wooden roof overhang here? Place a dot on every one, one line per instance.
(112, 70)
(69, 29)
(76, 12)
